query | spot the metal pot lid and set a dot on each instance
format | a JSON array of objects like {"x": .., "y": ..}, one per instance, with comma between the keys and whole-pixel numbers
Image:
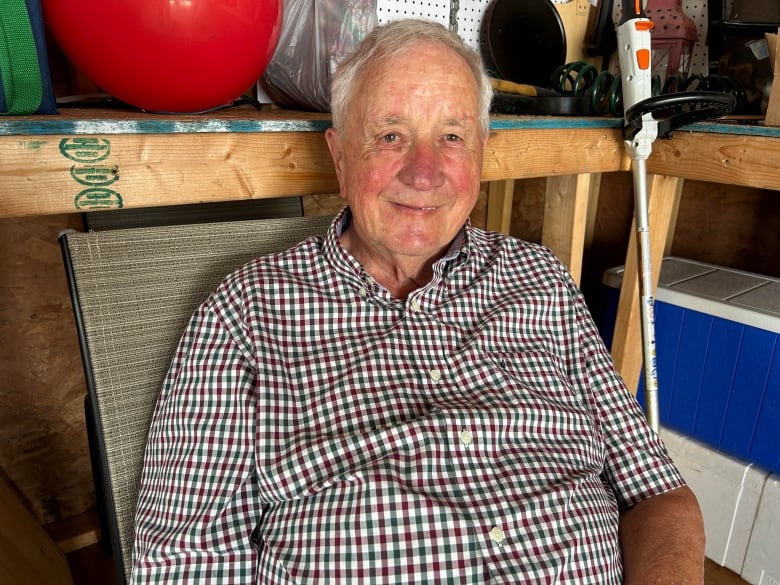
[{"x": 526, "y": 40}]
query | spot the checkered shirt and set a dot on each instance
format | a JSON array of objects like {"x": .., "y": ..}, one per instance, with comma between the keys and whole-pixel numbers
[{"x": 313, "y": 429}]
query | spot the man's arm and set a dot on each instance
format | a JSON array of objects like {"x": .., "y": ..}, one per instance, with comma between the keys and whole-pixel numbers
[
  {"x": 663, "y": 540},
  {"x": 198, "y": 501}
]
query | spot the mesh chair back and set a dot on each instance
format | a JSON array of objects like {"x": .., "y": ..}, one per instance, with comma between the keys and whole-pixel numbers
[{"x": 133, "y": 291}]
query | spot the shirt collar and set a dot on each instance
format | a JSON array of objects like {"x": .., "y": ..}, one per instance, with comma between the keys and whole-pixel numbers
[{"x": 458, "y": 253}]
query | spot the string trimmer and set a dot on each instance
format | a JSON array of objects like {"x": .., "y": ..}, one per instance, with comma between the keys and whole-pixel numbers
[{"x": 645, "y": 119}]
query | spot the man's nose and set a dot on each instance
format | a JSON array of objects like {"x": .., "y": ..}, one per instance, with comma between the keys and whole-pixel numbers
[{"x": 422, "y": 168}]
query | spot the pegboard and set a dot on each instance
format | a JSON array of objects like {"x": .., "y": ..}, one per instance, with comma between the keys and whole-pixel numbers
[
  {"x": 468, "y": 16},
  {"x": 464, "y": 16},
  {"x": 388, "y": 10}
]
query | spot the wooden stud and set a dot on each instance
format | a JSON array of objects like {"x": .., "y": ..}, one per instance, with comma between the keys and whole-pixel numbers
[
  {"x": 499, "y": 205},
  {"x": 27, "y": 555},
  {"x": 568, "y": 217}
]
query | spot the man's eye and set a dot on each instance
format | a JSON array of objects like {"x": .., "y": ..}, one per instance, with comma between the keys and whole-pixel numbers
[
  {"x": 452, "y": 138},
  {"x": 390, "y": 138}
]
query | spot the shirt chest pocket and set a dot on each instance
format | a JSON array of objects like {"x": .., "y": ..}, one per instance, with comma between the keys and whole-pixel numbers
[
  {"x": 528, "y": 374},
  {"x": 551, "y": 409}
]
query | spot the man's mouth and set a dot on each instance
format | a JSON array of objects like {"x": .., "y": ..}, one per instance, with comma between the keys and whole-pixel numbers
[{"x": 417, "y": 208}]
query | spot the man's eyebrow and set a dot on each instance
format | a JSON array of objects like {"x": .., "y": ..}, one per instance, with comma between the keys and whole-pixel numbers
[
  {"x": 456, "y": 122},
  {"x": 389, "y": 121}
]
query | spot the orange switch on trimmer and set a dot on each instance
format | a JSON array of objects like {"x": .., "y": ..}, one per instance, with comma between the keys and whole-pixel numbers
[{"x": 643, "y": 58}]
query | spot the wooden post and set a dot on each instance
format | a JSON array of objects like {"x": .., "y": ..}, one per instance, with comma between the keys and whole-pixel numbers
[
  {"x": 569, "y": 212},
  {"x": 27, "y": 555},
  {"x": 499, "y": 206}
]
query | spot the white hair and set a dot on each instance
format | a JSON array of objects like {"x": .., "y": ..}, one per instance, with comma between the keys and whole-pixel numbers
[{"x": 392, "y": 39}]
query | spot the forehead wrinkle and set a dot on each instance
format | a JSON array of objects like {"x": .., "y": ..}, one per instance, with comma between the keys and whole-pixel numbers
[{"x": 404, "y": 96}]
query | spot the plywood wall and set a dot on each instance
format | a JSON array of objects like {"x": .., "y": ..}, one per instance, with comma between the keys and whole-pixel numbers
[{"x": 43, "y": 446}]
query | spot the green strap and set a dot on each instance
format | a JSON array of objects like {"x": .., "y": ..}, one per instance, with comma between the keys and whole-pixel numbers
[{"x": 19, "y": 68}]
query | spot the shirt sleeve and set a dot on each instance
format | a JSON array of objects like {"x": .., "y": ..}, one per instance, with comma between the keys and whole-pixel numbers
[
  {"x": 637, "y": 465},
  {"x": 198, "y": 500}
]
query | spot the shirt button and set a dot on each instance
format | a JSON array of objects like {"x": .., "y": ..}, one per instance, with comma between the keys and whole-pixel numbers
[
  {"x": 435, "y": 375},
  {"x": 415, "y": 305},
  {"x": 466, "y": 437},
  {"x": 362, "y": 292},
  {"x": 497, "y": 535}
]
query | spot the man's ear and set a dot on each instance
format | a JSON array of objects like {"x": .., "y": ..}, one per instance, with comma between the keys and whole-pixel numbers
[{"x": 336, "y": 151}]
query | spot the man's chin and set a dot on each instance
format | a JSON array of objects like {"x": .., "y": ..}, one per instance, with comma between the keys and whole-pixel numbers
[{"x": 413, "y": 245}]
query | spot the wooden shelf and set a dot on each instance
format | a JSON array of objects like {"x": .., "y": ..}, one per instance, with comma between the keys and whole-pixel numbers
[
  {"x": 721, "y": 153},
  {"x": 104, "y": 159}
]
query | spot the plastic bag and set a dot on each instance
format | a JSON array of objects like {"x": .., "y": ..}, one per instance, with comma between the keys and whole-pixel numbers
[{"x": 316, "y": 35}]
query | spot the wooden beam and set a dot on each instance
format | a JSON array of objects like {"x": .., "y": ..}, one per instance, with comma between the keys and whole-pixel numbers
[
  {"x": 568, "y": 215},
  {"x": 28, "y": 556},
  {"x": 531, "y": 152},
  {"x": 499, "y": 205},
  {"x": 76, "y": 532},
  {"x": 66, "y": 174},
  {"x": 751, "y": 161},
  {"x": 52, "y": 174},
  {"x": 664, "y": 199},
  {"x": 593, "y": 205}
]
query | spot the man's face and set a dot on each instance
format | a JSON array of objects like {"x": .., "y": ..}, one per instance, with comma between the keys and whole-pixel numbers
[{"x": 410, "y": 157}]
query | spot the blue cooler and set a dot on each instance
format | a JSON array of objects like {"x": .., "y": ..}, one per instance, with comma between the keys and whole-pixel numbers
[{"x": 718, "y": 355}]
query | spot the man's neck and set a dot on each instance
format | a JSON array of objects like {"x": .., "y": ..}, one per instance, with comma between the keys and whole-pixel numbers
[{"x": 401, "y": 275}]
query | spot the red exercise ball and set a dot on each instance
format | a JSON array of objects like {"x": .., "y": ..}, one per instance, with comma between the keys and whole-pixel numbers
[{"x": 179, "y": 56}]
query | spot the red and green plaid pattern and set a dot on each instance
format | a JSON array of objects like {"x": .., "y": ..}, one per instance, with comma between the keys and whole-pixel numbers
[{"x": 475, "y": 432}]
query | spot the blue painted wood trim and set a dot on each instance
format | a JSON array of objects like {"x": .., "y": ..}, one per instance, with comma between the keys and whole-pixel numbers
[
  {"x": 154, "y": 124},
  {"x": 163, "y": 124},
  {"x": 106, "y": 122},
  {"x": 740, "y": 129},
  {"x": 553, "y": 123}
]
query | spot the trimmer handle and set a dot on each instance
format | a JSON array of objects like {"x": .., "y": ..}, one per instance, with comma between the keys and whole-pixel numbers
[
  {"x": 634, "y": 53},
  {"x": 677, "y": 109}
]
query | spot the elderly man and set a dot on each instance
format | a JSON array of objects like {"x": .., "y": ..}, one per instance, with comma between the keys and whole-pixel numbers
[{"x": 407, "y": 399}]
